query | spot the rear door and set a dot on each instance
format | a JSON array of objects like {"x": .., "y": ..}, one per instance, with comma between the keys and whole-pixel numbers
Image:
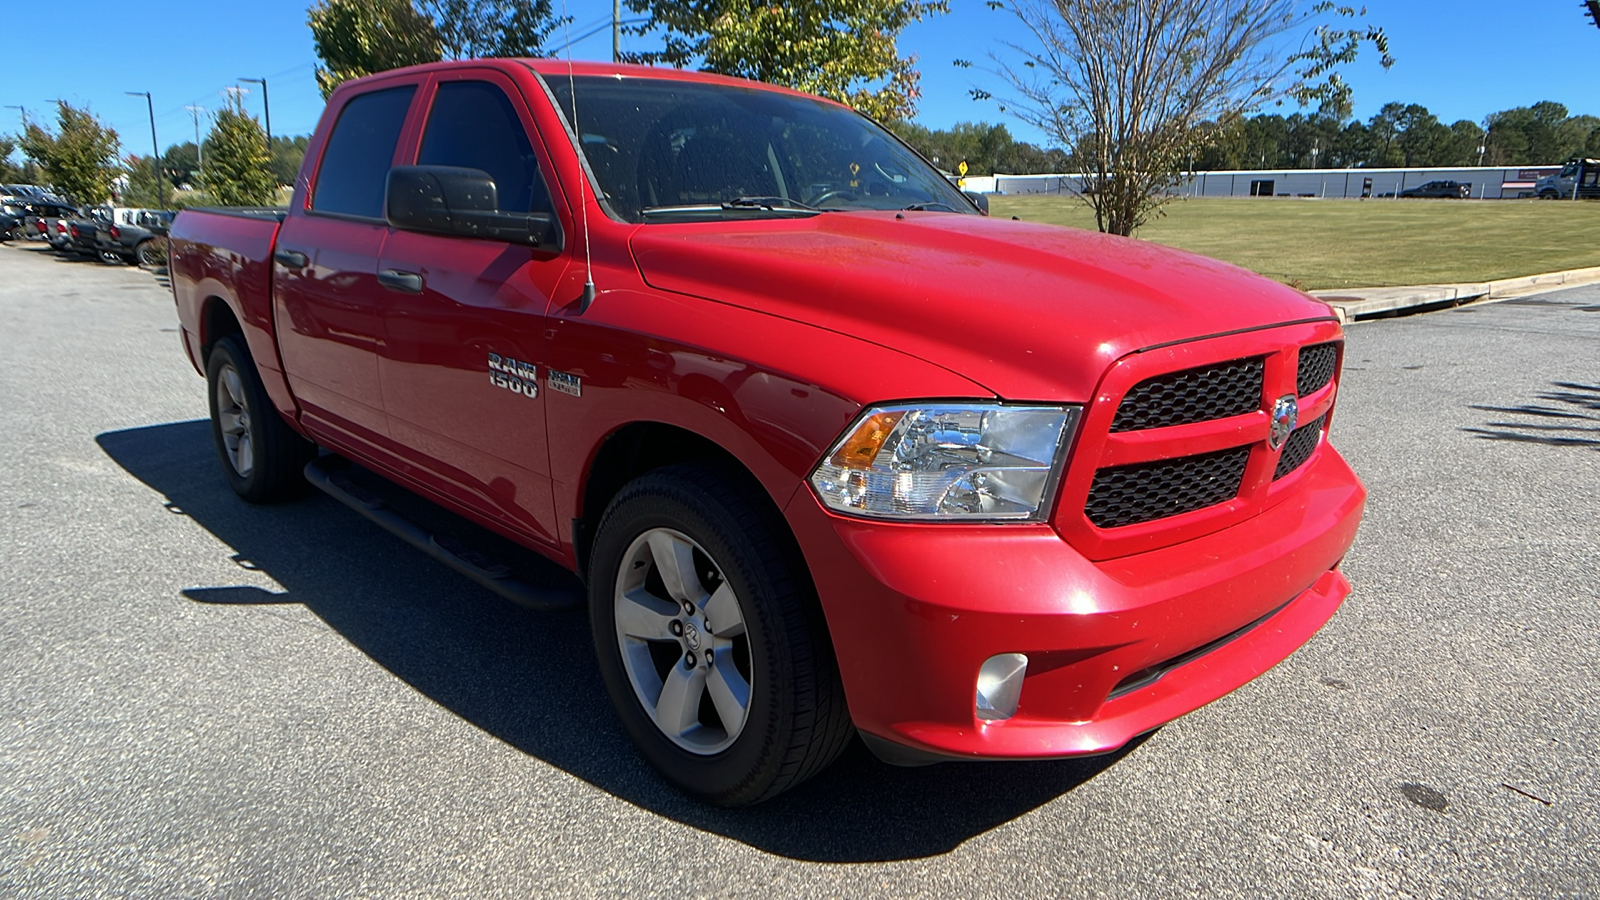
[
  {"x": 461, "y": 372},
  {"x": 326, "y": 298}
]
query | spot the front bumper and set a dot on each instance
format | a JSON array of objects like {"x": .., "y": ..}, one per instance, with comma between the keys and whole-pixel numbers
[{"x": 914, "y": 610}]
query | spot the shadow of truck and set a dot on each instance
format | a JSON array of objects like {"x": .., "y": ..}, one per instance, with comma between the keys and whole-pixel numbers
[{"x": 529, "y": 679}]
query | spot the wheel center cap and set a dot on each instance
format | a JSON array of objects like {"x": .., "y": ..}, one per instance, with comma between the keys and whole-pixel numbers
[{"x": 691, "y": 635}]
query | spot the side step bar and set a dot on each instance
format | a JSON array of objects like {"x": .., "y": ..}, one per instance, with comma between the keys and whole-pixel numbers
[{"x": 496, "y": 576}]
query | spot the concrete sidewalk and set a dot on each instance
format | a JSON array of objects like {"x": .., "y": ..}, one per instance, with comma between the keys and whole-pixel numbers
[{"x": 1353, "y": 304}]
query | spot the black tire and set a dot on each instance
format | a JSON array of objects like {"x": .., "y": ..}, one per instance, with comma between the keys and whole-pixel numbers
[
  {"x": 796, "y": 720},
  {"x": 277, "y": 456},
  {"x": 149, "y": 255},
  {"x": 110, "y": 257}
]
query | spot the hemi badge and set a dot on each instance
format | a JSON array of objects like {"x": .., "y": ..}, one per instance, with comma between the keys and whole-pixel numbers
[{"x": 564, "y": 383}]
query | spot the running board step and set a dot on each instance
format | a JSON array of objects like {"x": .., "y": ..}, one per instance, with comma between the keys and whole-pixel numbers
[{"x": 329, "y": 474}]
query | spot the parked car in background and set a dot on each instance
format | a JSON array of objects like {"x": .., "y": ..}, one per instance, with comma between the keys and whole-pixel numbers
[
  {"x": 43, "y": 214},
  {"x": 139, "y": 236},
  {"x": 16, "y": 210},
  {"x": 1579, "y": 179},
  {"x": 23, "y": 190},
  {"x": 83, "y": 234},
  {"x": 1447, "y": 190},
  {"x": 10, "y": 227},
  {"x": 58, "y": 227}
]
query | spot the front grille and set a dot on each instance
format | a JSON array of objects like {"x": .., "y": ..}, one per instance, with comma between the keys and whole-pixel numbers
[
  {"x": 1128, "y": 495},
  {"x": 1297, "y": 449},
  {"x": 1217, "y": 391},
  {"x": 1317, "y": 363}
]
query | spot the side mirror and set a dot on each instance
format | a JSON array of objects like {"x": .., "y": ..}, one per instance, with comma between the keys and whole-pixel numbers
[
  {"x": 460, "y": 202},
  {"x": 979, "y": 200}
]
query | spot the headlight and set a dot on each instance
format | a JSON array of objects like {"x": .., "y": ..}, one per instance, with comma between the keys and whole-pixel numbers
[{"x": 948, "y": 461}]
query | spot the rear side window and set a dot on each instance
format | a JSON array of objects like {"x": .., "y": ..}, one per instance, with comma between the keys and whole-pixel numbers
[
  {"x": 356, "y": 163},
  {"x": 474, "y": 126}
]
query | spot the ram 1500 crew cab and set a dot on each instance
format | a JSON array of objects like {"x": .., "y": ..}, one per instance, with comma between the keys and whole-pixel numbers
[{"x": 832, "y": 452}]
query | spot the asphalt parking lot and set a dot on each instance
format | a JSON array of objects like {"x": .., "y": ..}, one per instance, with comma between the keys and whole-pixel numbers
[{"x": 199, "y": 698}]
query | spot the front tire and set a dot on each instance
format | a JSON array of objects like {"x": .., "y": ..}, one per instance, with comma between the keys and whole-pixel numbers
[
  {"x": 710, "y": 639},
  {"x": 262, "y": 458}
]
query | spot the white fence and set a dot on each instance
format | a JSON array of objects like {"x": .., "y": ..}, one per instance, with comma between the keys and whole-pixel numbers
[{"x": 1487, "y": 182}]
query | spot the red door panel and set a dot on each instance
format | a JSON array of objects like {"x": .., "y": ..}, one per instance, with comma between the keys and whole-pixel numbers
[{"x": 330, "y": 323}]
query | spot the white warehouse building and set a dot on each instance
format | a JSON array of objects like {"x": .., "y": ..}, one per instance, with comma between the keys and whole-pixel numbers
[{"x": 1487, "y": 182}]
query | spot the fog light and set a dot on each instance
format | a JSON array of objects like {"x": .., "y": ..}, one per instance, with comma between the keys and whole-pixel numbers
[{"x": 1000, "y": 685}]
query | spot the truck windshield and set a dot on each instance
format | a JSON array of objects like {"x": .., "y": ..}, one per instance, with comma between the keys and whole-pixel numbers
[{"x": 671, "y": 151}]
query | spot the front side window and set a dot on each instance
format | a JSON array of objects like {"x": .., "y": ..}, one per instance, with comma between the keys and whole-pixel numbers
[
  {"x": 473, "y": 125},
  {"x": 666, "y": 150},
  {"x": 355, "y": 165}
]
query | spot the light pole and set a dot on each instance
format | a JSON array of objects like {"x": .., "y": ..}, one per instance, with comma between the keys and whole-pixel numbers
[
  {"x": 155, "y": 147},
  {"x": 266, "y": 106},
  {"x": 199, "y": 149},
  {"x": 24, "y": 111},
  {"x": 616, "y": 31}
]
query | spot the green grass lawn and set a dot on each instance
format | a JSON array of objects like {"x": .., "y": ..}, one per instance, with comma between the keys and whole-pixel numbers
[{"x": 1361, "y": 243}]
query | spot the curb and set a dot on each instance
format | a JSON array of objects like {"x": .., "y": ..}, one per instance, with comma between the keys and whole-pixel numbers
[{"x": 1368, "y": 303}]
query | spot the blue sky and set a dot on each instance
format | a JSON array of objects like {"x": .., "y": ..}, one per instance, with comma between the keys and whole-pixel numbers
[{"x": 1461, "y": 60}]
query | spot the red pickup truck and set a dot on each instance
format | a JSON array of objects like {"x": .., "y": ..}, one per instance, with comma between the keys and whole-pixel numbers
[{"x": 831, "y": 451}]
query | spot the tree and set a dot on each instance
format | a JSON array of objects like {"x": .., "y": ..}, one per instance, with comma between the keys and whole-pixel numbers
[
  {"x": 80, "y": 158},
  {"x": 986, "y": 149},
  {"x": 842, "y": 49},
  {"x": 1461, "y": 149},
  {"x": 141, "y": 190},
  {"x": 286, "y": 156},
  {"x": 470, "y": 29},
  {"x": 180, "y": 165},
  {"x": 1131, "y": 85},
  {"x": 236, "y": 171},
  {"x": 9, "y": 171},
  {"x": 360, "y": 37}
]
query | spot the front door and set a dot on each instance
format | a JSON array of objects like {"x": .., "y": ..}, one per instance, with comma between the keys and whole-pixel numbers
[{"x": 464, "y": 319}]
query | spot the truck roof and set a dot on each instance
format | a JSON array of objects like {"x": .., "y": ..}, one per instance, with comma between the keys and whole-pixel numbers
[{"x": 555, "y": 68}]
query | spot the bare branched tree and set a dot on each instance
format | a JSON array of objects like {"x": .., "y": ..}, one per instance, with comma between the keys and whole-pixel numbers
[{"x": 1134, "y": 89}]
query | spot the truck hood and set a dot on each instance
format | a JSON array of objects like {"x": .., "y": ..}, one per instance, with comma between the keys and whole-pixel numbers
[{"x": 1031, "y": 312}]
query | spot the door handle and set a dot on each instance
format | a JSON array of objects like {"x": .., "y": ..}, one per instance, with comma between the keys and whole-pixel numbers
[
  {"x": 291, "y": 259},
  {"x": 396, "y": 280}
]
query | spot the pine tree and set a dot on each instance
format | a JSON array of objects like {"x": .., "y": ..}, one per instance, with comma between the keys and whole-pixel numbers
[{"x": 237, "y": 169}]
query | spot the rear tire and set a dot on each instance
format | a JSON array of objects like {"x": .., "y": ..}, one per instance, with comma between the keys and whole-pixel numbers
[
  {"x": 734, "y": 696},
  {"x": 149, "y": 255},
  {"x": 262, "y": 458}
]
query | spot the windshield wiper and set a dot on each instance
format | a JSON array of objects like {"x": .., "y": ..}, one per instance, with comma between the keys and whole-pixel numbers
[
  {"x": 782, "y": 206},
  {"x": 928, "y": 207},
  {"x": 768, "y": 203}
]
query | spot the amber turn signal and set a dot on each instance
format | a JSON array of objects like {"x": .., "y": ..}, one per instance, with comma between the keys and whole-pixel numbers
[{"x": 861, "y": 447}]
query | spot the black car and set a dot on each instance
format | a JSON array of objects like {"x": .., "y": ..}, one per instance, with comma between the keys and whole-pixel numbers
[{"x": 1450, "y": 190}]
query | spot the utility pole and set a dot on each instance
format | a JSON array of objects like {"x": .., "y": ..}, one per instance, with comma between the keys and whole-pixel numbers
[
  {"x": 266, "y": 106},
  {"x": 155, "y": 147},
  {"x": 616, "y": 31},
  {"x": 199, "y": 149}
]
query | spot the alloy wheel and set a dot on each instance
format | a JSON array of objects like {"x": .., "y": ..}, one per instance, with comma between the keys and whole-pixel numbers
[
  {"x": 681, "y": 630},
  {"x": 233, "y": 416}
]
